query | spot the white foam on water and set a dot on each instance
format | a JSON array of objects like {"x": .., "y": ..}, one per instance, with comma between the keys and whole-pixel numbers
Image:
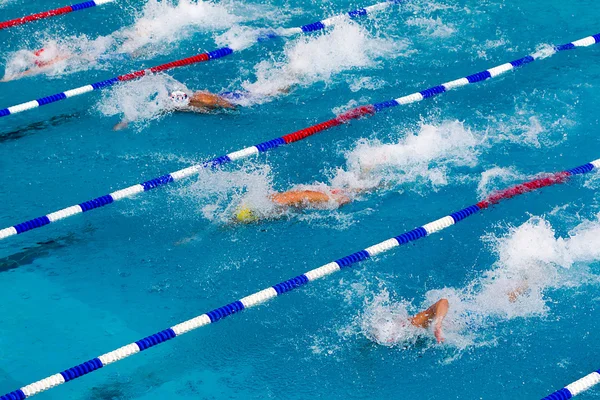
[
  {"x": 544, "y": 51},
  {"x": 238, "y": 37},
  {"x": 218, "y": 194},
  {"x": 387, "y": 322},
  {"x": 320, "y": 57},
  {"x": 497, "y": 178},
  {"x": 163, "y": 23},
  {"x": 56, "y": 57},
  {"x": 366, "y": 82},
  {"x": 527, "y": 127},
  {"x": 433, "y": 27},
  {"x": 425, "y": 157},
  {"x": 531, "y": 259}
]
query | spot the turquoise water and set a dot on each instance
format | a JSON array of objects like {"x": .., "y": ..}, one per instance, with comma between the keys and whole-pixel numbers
[{"x": 84, "y": 286}]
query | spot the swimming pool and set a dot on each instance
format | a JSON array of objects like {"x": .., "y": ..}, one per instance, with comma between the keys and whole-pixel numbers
[{"x": 89, "y": 284}]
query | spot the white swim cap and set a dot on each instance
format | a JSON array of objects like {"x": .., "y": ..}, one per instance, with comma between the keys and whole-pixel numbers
[{"x": 179, "y": 98}]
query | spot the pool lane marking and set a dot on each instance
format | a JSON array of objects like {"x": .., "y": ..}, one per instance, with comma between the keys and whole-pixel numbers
[
  {"x": 287, "y": 139},
  {"x": 53, "y": 13},
  {"x": 199, "y": 58},
  {"x": 576, "y": 388},
  {"x": 293, "y": 283}
]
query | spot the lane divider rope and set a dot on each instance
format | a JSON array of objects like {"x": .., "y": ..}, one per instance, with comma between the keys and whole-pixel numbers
[
  {"x": 291, "y": 284},
  {"x": 576, "y": 388},
  {"x": 199, "y": 58},
  {"x": 53, "y": 13},
  {"x": 274, "y": 143}
]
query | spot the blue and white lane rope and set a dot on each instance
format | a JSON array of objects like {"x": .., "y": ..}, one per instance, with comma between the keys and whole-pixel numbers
[
  {"x": 203, "y": 57},
  {"x": 291, "y": 284},
  {"x": 576, "y": 388},
  {"x": 52, "y": 13},
  {"x": 290, "y": 138}
]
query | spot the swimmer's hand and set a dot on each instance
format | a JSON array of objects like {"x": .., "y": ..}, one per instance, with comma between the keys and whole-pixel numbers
[
  {"x": 438, "y": 332},
  {"x": 121, "y": 126}
]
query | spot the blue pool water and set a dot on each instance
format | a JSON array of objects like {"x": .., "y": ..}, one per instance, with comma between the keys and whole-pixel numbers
[{"x": 84, "y": 286}]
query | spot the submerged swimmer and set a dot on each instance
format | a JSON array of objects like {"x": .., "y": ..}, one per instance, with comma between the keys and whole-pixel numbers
[
  {"x": 40, "y": 61},
  {"x": 298, "y": 200}
]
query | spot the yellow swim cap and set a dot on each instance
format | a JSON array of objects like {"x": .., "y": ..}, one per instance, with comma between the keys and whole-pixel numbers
[{"x": 246, "y": 215}]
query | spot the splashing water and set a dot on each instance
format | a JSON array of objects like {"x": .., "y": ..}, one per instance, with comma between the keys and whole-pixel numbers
[
  {"x": 423, "y": 156},
  {"x": 387, "y": 323},
  {"x": 319, "y": 58},
  {"x": 143, "y": 100},
  {"x": 497, "y": 178},
  {"x": 531, "y": 260},
  {"x": 544, "y": 51},
  {"x": 531, "y": 128},
  {"x": 433, "y": 27},
  {"x": 56, "y": 57},
  {"x": 220, "y": 193},
  {"x": 166, "y": 22}
]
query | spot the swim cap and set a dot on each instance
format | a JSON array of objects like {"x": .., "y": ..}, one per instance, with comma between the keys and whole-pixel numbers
[
  {"x": 246, "y": 215},
  {"x": 179, "y": 98}
]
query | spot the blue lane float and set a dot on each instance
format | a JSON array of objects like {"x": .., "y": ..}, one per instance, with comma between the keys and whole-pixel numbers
[
  {"x": 299, "y": 281},
  {"x": 576, "y": 388},
  {"x": 203, "y": 57},
  {"x": 356, "y": 113}
]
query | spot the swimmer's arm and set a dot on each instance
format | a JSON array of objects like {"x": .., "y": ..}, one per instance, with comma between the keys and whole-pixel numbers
[
  {"x": 515, "y": 294},
  {"x": 34, "y": 71},
  {"x": 437, "y": 313},
  {"x": 19, "y": 75},
  {"x": 224, "y": 103}
]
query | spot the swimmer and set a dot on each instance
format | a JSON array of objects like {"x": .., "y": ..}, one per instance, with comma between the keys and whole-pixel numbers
[
  {"x": 42, "y": 60},
  {"x": 434, "y": 315},
  {"x": 205, "y": 102},
  {"x": 298, "y": 200},
  {"x": 202, "y": 102}
]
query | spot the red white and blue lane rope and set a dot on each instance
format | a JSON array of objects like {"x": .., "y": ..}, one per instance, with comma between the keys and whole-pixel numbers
[
  {"x": 291, "y": 284},
  {"x": 52, "y": 13},
  {"x": 204, "y": 57},
  {"x": 576, "y": 388},
  {"x": 287, "y": 139}
]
